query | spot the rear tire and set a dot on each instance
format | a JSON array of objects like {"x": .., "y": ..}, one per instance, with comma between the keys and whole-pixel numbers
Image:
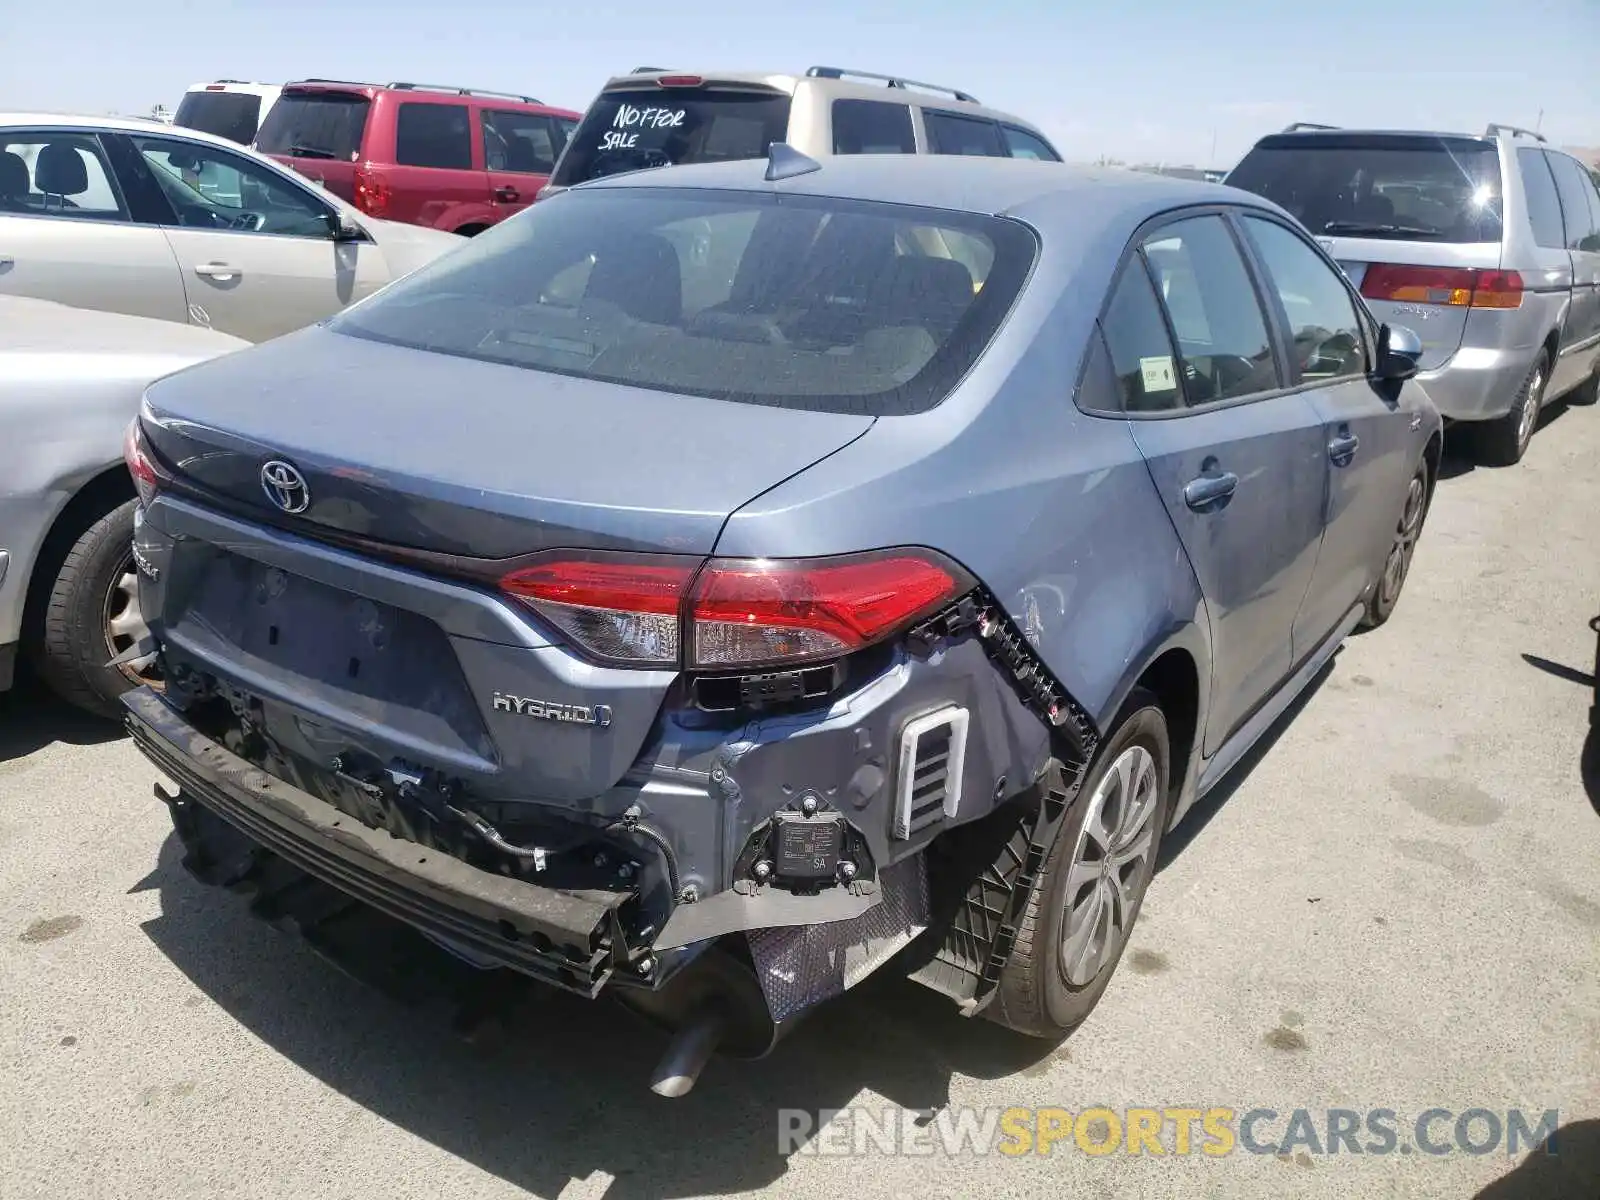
[
  {"x": 1587, "y": 392},
  {"x": 90, "y": 616},
  {"x": 1396, "y": 566},
  {"x": 1060, "y": 966},
  {"x": 1503, "y": 441}
]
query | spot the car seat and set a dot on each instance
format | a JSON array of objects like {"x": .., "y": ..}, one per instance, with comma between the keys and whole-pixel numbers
[
  {"x": 60, "y": 172},
  {"x": 14, "y": 183},
  {"x": 641, "y": 276}
]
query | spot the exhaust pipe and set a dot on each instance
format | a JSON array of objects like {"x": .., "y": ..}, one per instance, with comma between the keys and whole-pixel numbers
[{"x": 688, "y": 1053}]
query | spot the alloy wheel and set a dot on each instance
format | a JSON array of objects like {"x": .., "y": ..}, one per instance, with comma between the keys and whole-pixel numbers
[
  {"x": 125, "y": 623},
  {"x": 1531, "y": 402},
  {"x": 1113, "y": 853},
  {"x": 1398, "y": 564}
]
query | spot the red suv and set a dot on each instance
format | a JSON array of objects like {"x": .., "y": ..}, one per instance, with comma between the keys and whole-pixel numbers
[{"x": 458, "y": 159}]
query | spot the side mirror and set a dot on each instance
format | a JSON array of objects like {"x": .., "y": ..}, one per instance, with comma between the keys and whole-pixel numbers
[
  {"x": 1399, "y": 353},
  {"x": 342, "y": 229}
]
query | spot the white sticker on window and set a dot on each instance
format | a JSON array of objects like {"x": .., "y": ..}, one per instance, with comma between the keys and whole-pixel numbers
[{"x": 1158, "y": 374}]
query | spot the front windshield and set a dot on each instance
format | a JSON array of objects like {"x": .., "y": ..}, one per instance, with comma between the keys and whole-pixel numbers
[{"x": 795, "y": 302}]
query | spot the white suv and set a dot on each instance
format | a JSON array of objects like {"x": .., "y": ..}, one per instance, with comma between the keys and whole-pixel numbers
[
  {"x": 228, "y": 108},
  {"x": 655, "y": 118}
]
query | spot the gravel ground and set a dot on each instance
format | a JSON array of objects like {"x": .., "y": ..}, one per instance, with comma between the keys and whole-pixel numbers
[{"x": 1396, "y": 905}]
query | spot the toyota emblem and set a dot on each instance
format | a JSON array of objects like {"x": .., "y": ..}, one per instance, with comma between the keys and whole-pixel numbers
[{"x": 285, "y": 486}]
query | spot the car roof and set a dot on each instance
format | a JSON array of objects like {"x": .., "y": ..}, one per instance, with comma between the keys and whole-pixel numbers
[
  {"x": 115, "y": 125},
  {"x": 431, "y": 93},
  {"x": 1001, "y": 186},
  {"x": 1309, "y": 136}
]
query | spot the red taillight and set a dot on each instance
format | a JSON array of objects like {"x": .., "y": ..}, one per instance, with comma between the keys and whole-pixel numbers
[
  {"x": 146, "y": 479},
  {"x": 680, "y": 81},
  {"x": 730, "y": 614},
  {"x": 1454, "y": 287},
  {"x": 750, "y": 611},
  {"x": 216, "y": 87},
  {"x": 372, "y": 193}
]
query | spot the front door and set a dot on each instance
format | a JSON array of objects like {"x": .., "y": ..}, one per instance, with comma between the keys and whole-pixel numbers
[
  {"x": 1366, "y": 436},
  {"x": 1240, "y": 465},
  {"x": 256, "y": 249}
]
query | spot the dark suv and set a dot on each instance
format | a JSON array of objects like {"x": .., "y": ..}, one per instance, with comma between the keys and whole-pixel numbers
[{"x": 459, "y": 159}]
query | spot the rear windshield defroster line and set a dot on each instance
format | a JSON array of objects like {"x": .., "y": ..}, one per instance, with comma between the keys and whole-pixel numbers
[
  {"x": 660, "y": 127},
  {"x": 752, "y": 297}
]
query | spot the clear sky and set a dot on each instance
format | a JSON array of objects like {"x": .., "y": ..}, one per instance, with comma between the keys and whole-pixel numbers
[{"x": 1139, "y": 79}]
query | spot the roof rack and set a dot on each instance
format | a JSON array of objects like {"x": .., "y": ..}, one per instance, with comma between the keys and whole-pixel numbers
[
  {"x": 1297, "y": 126},
  {"x": 346, "y": 82},
  {"x": 894, "y": 81},
  {"x": 1514, "y": 131},
  {"x": 461, "y": 91}
]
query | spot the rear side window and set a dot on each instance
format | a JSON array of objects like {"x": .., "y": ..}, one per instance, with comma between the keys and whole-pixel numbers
[
  {"x": 433, "y": 135},
  {"x": 232, "y": 115},
  {"x": 1212, "y": 305},
  {"x": 872, "y": 127},
  {"x": 1141, "y": 350},
  {"x": 1023, "y": 144},
  {"x": 59, "y": 174},
  {"x": 810, "y": 303},
  {"x": 1544, "y": 209},
  {"x": 1380, "y": 186},
  {"x": 1580, "y": 208},
  {"x": 526, "y": 143},
  {"x": 328, "y": 125},
  {"x": 661, "y": 127},
  {"x": 952, "y": 134}
]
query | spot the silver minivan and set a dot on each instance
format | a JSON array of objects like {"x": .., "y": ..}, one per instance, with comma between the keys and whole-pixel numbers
[
  {"x": 655, "y": 118},
  {"x": 1487, "y": 246}
]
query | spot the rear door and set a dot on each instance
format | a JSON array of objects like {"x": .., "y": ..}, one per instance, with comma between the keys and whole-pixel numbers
[
  {"x": 1405, "y": 215},
  {"x": 1580, "y": 212},
  {"x": 1240, "y": 463},
  {"x": 519, "y": 152},
  {"x": 438, "y": 179},
  {"x": 1367, "y": 430},
  {"x": 256, "y": 250},
  {"x": 67, "y": 232}
]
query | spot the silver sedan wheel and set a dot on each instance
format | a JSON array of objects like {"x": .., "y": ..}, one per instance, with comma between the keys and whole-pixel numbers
[
  {"x": 1529, "y": 417},
  {"x": 1108, "y": 865},
  {"x": 125, "y": 623}
]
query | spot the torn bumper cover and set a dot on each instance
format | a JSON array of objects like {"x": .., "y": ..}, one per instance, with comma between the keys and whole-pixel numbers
[{"x": 572, "y": 939}]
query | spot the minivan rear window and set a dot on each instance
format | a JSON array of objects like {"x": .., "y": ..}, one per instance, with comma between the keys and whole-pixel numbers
[
  {"x": 1423, "y": 187},
  {"x": 662, "y": 127},
  {"x": 315, "y": 125},
  {"x": 793, "y": 301},
  {"x": 231, "y": 115}
]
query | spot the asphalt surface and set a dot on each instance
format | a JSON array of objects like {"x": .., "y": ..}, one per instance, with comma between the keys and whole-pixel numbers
[{"x": 1396, "y": 905}]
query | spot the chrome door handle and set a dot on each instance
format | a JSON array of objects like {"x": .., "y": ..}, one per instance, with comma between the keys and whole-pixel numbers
[
  {"x": 217, "y": 270},
  {"x": 1343, "y": 448},
  {"x": 1205, "y": 492}
]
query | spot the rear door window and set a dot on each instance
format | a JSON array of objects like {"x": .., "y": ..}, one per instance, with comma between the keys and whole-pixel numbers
[
  {"x": 660, "y": 127},
  {"x": 1023, "y": 144},
  {"x": 1148, "y": 379},
  {"x": 1223, "y": 345},
  {"x": 1544, "y": 209},
  {"x": 793, "y": 301},
  {"x": 58, "y": 174},
  {"x": 872, "y": 127},
  {"x": 949, "y": 133},
  {"x": 1400, "y": 187},
  {"x": 326, "y": 125},
  {"x": 231, "y": 115},
  {"x": 433, "y": 135},
  {"x": 519, "y": 142},
  {"x": 1577, "y": 210}
]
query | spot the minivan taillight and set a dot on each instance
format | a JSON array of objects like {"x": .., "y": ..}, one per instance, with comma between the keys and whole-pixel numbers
[
  {"x": 732, "y": 614},
  {"x": 136, "y": 453},
  {"x": 372, "y": 193},
  {"x": 1453, "y": 287}
]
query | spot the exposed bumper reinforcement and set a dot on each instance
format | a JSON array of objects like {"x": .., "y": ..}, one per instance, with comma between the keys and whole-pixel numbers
[{"x": 566, "y": 938}]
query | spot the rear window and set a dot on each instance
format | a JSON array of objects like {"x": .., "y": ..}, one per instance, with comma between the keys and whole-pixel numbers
[
  {"x": 1418, "y": 188},
  {"x": 662, "y": 127},
  {"x": 795, "y": 302},
  {"x": 232, "y": 115},
  {"x": 315, "y": 125}
]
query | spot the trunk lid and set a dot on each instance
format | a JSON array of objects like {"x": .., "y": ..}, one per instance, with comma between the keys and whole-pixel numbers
[{"x": 477, "y": 459}]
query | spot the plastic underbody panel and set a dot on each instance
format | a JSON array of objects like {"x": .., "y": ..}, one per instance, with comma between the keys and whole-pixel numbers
[{"x": 357, "y": 737}]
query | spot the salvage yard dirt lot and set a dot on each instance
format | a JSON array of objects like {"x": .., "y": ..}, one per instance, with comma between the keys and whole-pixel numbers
[{"x": 1397, "y": 905}]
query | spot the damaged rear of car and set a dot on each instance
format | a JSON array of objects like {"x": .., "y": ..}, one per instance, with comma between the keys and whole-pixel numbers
[{"x": 514, "y": 602}]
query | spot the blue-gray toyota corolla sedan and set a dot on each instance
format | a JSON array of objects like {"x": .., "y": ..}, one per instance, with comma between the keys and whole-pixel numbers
[{"x": 719, "y": 580}]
